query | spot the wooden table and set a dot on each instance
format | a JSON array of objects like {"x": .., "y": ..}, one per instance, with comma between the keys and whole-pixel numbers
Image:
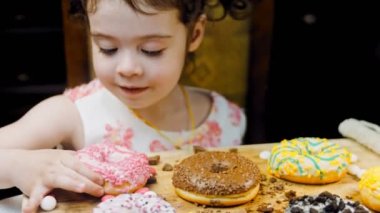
[{"x": 271, "y": 193}]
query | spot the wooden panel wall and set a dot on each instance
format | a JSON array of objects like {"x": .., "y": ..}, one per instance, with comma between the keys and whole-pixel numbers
[
  {"x": 261, "y": 38},
  {"x": 76, "y": 48}
]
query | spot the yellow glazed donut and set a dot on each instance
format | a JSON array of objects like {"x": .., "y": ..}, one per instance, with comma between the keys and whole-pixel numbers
[
  {"x": 309, "y": 160},
  {"x": 369, "y": 186}
]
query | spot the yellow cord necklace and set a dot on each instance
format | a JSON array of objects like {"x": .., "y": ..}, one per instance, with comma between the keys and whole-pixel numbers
[{"x": 177, "y": 144}]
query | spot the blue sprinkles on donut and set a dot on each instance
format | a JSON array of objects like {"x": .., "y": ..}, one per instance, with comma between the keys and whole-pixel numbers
[{"x": 309, "y": 160}]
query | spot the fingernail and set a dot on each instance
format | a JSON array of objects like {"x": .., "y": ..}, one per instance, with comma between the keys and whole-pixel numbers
[
  {"x": 101, "y": 191},
  {"x": 81, "y": 186},
  {"x": 98, "y": 192},
  {"x": 100, "y": 181},
  {"x": 107, "y": 197},
  {"x": 27, "y": 209}
]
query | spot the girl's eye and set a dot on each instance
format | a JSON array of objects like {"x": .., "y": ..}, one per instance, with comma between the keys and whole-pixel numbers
[
  {"x": 152, "y": 53},
  {"x": 108, "y": 51}
]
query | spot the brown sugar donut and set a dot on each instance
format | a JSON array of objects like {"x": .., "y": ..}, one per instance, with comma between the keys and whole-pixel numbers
[{"x": 216, "y": 178}]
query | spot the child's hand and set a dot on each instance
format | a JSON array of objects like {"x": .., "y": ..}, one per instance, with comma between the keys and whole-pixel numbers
[{"x": 40, "y": 171}]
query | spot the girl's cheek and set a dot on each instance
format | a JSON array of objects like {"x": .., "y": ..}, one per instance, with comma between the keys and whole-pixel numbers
[{"x": 103, "y": 67}]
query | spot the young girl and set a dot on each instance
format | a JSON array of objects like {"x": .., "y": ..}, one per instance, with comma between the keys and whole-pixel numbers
[{"x": 139, "y": 50}]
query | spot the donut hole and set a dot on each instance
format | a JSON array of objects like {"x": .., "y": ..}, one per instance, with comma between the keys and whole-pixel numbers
[{"x": 219, "y": 167}]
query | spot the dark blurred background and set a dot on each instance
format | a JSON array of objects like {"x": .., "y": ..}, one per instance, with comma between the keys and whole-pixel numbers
[
  {"x": 325, "y": 59},
  {"x": 33, "y": 61}
]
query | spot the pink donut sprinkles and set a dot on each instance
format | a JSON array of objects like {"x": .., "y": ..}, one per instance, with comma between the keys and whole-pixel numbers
[
  {"x": 123, "y": 170},
  {"x": 147, "y": 202}
]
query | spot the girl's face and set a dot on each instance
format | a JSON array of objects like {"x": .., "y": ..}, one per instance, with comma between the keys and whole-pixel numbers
[{"x": 138, "y": 57}]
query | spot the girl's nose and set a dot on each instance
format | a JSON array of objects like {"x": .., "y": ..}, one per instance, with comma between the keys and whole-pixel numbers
[{"x": 129, "y": 66}]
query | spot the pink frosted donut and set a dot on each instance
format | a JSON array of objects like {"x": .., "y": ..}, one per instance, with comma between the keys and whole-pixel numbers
[
  {"x": 137, "y": 202},
  {"x": 123, "y": 170}
]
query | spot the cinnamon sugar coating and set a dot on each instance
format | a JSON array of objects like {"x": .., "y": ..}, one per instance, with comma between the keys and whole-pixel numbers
[{"x": 216, "y": 173}]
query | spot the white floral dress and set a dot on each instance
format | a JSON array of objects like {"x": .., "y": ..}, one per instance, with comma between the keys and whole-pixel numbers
[{"x": 106, "y": 119}]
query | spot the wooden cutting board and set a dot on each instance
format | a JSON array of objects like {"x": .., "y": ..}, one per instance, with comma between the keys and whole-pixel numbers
[{"x": 272, "y": 191}]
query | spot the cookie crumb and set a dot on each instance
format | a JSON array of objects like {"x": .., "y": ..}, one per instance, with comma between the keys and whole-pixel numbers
[
  {"x": 154, "y": 160},
  {"x": 151, "y": 180},
  {"x": 348, "y": 197},
  {"x": 290, "y": 194},
  {"x": 273, "y": 180},
  {"x": 265, "y": 208},
  {"x": 167, "y": 167},
  {"x": 234, "y": 150},
  {"x": 198, "y": 149}
]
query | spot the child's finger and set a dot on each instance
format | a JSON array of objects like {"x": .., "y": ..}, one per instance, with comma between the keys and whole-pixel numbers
[
  {"x": 79, "y": 167},
  {"x": 31, "y": 204},
  {"x": 24, "y": 203},
  {"x": 72, "y": 181}
]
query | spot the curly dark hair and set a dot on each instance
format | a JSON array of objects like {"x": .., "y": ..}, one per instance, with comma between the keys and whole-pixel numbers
[{"x": 190, "y": 10}]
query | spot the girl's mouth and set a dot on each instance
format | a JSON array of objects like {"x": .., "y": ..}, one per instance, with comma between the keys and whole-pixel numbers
[{"x": 134, "y": 90}]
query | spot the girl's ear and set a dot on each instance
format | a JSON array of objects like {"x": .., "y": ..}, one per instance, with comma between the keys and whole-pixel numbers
[{"x": 197, "y": 34}]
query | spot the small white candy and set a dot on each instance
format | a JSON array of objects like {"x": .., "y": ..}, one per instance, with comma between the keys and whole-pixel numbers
[
  {"x": 150, "y": 193},
  {"x": 356, "y": 170},
  {"x": 354, "y": 158},
  {"x": 264, "y": 154},
  {"x": 48, "y": 203},
  {"x": 353, "y": 169},
  {"x": 360, "y": 173}
]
